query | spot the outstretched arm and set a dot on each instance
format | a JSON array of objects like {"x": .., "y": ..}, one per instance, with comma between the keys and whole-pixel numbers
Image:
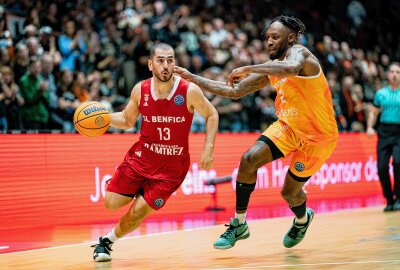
[
  {"x": 249, "y": 85},
  {"x": 128, "y": 117},
  {"x": 291, "y": 66},
  {"x": 197, "y": 101}
]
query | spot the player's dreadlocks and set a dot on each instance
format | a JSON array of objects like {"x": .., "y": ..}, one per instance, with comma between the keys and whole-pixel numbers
[{"x": 290, "y": 22}]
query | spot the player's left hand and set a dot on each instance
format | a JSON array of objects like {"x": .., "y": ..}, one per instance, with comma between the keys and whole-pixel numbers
[
  {"x": 207, "y": 159},
  {"x": 184, "y": 73},
  {"x": 236, "y": 75}
]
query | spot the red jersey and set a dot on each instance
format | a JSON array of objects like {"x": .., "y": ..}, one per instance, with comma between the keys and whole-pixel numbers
[{"x": 163, "y": 148}]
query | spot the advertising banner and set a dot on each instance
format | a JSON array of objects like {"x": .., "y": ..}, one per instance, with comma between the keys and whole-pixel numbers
[{"x": 54, "y": 179}]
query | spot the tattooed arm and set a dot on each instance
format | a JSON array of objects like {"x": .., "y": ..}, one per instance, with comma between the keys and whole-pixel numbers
[
  {"x": 299, "y": 61},
  {"x": 251, "y": 84}
]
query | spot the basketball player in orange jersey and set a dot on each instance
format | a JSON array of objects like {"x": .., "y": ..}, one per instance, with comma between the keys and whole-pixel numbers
[
  {"x": 158, "y": 162},
  {"x": 306, "y": 125}
]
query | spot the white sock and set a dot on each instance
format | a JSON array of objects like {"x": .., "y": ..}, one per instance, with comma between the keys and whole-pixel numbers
[
  {"x": 111, "y": 235},
  {"x": 302, "y": 220},
  {"x": 241, "y": 217}
]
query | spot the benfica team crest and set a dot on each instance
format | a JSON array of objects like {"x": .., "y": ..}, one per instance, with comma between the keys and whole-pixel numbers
[{"x": 146, "y": 98}]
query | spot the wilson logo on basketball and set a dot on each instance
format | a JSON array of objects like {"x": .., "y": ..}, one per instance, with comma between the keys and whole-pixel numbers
[{"x": 93, "y": 109}]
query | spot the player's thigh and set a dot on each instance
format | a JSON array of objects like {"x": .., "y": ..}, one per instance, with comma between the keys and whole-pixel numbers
[
  {"x": 126, "y": 181},
  {"x": 283, "y": 138},
  {"x": 114, "y": 200},
  {"x": 308, "y": 159}
]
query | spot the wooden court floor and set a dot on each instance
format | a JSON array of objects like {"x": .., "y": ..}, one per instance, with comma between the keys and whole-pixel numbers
[{"x": 364, "y": 238}]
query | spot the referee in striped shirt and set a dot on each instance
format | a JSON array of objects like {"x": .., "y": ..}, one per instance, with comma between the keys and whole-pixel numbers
[{"x": 387, "y": 103}]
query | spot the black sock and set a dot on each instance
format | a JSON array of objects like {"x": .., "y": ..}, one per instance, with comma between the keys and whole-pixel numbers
[
  {"x": 243, "y": 192},
  {"x": 299, "y": 211}
]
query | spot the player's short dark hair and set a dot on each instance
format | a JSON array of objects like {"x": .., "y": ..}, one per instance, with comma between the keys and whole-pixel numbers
[
  {"x": 293, "y": 23},
  {"x": 162, "y": 46}
]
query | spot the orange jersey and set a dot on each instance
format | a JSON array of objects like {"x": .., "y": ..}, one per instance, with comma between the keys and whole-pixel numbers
[{"x": 305, "y": 104}]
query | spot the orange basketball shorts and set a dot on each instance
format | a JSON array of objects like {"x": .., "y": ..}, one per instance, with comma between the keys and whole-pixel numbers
[{"x": 307, "y": 158}]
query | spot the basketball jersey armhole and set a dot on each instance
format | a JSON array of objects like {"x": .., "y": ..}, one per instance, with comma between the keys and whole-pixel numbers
[{"x": 310, "y": 77}]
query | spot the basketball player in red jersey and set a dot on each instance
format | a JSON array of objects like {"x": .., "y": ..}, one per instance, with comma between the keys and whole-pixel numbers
[
  {"x": 157, "y": 164},
  {"x": 306, "y": 125}
]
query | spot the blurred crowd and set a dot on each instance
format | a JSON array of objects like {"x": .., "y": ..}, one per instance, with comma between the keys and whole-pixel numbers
[{"x": 56, "y": 54}]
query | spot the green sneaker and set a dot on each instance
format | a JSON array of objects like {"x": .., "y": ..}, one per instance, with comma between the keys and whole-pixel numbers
[
  {"x": 235, "y": 232},
  {"x": 297, "y": 231}
]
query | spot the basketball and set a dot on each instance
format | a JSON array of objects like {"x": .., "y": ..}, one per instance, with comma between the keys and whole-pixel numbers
[{"x": 91, "y": 119}]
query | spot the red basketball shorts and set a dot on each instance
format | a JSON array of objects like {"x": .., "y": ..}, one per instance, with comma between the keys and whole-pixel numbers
[{"x": 129, "y": 182}]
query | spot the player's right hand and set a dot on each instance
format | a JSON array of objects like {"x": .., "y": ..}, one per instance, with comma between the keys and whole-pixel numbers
[
  {"x": 184, "y": 73},
  {"x": 236, "y": 75},
  {"x": 207, "y": 159}
]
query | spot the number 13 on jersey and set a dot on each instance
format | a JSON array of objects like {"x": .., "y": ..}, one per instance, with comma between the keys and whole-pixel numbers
[{"x": 165, "y": 133}]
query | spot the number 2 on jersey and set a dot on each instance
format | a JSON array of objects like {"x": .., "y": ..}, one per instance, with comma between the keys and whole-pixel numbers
[{"x": 165, "y": 133}]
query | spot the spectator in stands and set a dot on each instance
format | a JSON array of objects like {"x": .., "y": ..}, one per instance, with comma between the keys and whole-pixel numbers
[
  {"x": 80, "y": 88},
  {"x": 47, "y": 40},
  {"x": 220, "y": 36},
  {"x": 50, "y": 18},
  {"x": 33, "y": 87},
  {"x": 110, "y": 48},
  {"x": 13, "y": 99},
  {"x": 387, "y": 103},
  {"x": 91, "y": 38},
  {"x": 67, "y": 101},
  {"x": 55, "y": 122},
  {"x": 347, "y": 103},
  {"x": 5, "y": 59},
  {"x": 33, "y": 17},
  {"x": 141, "y": 54},
  {"x": 30, "y": 30},
  {"x": 34, "y": 47},
  {"x": 21, "y": 61},
  {"x": 72, "y": 47},
  {"x": 5, "y": 35}
]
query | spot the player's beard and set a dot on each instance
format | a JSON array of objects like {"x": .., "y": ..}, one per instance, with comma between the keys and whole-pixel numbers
[
  {"x": 163, "y": 78},
  {"x": 279, "y": 53}
]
